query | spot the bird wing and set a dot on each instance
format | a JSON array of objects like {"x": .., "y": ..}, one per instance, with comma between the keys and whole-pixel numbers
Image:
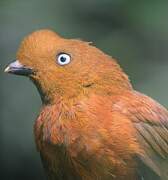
[{"x": 150, "y": 120}]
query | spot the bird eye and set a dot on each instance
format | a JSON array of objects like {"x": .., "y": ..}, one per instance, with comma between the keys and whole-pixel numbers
[{"x": 63, "y": 59}]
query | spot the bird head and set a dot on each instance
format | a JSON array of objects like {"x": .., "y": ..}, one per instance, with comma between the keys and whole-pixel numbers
[{"x": 66, "y": 67}]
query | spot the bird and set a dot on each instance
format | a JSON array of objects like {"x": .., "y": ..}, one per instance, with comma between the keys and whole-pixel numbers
[{"x": 92, "y": 124}]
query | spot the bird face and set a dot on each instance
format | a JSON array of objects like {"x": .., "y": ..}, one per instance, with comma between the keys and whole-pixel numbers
[{"x": 64, "y": 67}]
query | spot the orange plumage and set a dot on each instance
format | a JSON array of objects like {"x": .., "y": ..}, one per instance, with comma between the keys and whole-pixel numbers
[{"x": 93, "y": 124}]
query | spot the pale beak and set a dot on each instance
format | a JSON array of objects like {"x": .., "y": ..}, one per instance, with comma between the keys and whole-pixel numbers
[{"x": 17, "y": 68}]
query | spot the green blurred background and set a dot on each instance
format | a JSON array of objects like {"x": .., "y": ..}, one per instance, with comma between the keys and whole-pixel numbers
[{"x": 135, "y": 32}]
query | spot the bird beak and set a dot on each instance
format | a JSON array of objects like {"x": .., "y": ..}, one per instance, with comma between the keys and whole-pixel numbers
[{"x": 17, "y": 68}]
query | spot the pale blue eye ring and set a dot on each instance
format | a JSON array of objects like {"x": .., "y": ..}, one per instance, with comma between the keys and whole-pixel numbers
[{"x": 63, "y": 59}]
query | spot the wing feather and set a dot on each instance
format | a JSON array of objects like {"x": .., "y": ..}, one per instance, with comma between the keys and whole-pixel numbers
[{"x": 150, "y": 119}]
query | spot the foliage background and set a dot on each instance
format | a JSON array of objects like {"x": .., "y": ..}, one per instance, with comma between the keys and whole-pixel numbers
[{"x": 135, "y": 32}]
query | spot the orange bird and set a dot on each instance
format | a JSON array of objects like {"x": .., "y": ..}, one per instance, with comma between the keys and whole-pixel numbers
[{"x": 93, "y": 125}]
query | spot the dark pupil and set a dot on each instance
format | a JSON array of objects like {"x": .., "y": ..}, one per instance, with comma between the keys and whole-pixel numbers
[{"x": 63, "y": 59}]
